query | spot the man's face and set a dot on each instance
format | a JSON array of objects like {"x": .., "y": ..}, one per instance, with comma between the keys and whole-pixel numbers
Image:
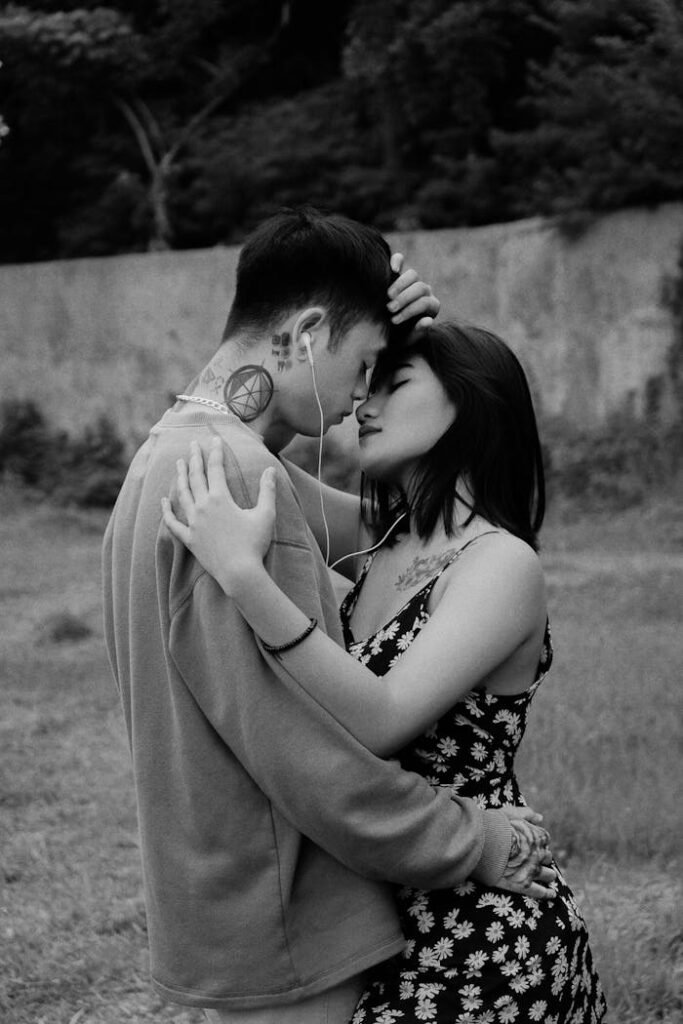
[{"x": 341, "y": 377}]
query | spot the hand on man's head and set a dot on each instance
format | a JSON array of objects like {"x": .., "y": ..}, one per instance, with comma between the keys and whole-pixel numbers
[{"x": 410, "y": 298}]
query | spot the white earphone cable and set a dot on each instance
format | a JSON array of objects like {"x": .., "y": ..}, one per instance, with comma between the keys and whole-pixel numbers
[
  {"x": 320, "y": 461},
  {"x": 366, "y": 551}
]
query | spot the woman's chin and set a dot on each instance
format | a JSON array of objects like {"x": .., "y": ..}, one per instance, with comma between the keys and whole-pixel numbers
[{"x": 377, "y": 474}]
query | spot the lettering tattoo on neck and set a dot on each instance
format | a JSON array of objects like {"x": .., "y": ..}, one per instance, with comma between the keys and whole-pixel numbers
[
  {"x": 422, "y": 569},
  {"x": 212, "y": 380},
  {"x": 282, "y": 350},
  {"x": 248, "y": 391}
]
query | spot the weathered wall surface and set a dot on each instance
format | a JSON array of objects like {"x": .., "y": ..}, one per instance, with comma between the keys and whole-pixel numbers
[
  {"x": 121, "y": 334},
  {"x": 586, "y": 316}
]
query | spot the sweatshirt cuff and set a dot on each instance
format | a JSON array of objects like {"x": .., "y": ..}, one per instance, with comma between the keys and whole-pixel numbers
[{"x": 496, "y": 849}]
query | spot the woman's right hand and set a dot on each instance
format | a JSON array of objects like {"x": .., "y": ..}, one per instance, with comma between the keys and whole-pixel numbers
[
  {"x": 230, "y": 542},
  {"x": 411, "y": 298}
]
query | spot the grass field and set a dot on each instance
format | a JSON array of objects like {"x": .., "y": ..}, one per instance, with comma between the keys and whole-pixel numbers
[{"x": 602, "y": 760}]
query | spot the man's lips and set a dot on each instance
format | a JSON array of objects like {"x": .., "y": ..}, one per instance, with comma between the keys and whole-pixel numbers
[{"x": 365, "y": 429}]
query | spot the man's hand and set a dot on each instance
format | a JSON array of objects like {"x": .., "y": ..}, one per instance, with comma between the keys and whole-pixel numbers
[
  {"x": 410, "y": 298},
  {"x": 528, "y": 870}
]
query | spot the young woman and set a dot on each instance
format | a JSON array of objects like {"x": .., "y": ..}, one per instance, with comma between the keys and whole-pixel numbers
[{"x": 449, "y": 640}]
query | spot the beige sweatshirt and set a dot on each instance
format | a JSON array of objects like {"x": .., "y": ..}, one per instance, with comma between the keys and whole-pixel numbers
[{"x": 267, "y": 832}]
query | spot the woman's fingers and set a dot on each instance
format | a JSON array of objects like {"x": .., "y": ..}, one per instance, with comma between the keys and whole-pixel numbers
[
  {"x": 397, "y": 292},
  {"x": 215, "y": 471},
  {"x": 415, "y": 300},
  {"x": 177, "y": 528},
  {"x": 410, "y": 298},
  {"x": 185, "y": 496},
  {"x": 197, "y": 474},
  {"x": 418, "y": 301}
]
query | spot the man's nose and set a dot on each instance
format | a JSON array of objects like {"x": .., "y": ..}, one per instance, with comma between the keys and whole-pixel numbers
[{"x": 360, "y": 390}]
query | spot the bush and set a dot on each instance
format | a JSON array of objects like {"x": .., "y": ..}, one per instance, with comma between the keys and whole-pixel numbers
[
  {"x": 86, "y": 471},
  {"x": 63, "y": 628},
  {"x": 27, "y": 446},
  {"x": 94, "y": 467}
]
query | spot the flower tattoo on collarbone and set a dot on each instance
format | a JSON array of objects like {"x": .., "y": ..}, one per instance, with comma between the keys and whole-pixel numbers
[
  {"x": 248, "y": 392},
  {"x": 422, "y": 569}
]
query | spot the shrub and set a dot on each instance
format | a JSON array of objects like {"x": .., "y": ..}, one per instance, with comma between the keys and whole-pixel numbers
[
  {"x": 62, "y": 628},
  {"x": 86, "y": 471},
  {"x": 94, "y": 467},
  {"x": 27, "y": 445}
]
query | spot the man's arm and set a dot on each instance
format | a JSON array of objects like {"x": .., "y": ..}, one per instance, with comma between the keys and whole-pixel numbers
[{"x": 368, "y": 813}]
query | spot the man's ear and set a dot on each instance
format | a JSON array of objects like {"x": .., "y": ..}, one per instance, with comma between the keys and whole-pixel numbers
[{"x": 309, "y": 331}]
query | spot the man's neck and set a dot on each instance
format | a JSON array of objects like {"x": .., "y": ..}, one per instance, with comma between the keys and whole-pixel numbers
[{"x": 241, "y": 378}]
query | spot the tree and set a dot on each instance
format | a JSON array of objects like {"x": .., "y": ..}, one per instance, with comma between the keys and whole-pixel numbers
[
  {"x": 58, "y": 67},
  {"x": 134, "y": 84},
  {"x": 440, "y": 76},
  {"x": 608, "y": 109}
]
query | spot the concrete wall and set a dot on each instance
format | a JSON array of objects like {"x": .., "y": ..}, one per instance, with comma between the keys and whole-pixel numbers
[{"x": 119, "y": 335}]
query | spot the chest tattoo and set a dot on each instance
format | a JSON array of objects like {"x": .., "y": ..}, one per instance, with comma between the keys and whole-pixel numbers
[
  {"x": 422, "y": 569},
  {"x": 248, "y": 392}
]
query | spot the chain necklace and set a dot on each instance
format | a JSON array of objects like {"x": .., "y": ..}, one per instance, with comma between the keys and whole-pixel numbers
[{"x": 205, "y": 401}]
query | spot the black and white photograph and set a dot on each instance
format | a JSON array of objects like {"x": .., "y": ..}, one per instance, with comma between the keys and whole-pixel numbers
[{"x": 341, "y": 512}]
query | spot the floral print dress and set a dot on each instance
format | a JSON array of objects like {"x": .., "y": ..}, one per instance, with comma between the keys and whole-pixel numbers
[{"x": 474, "y": 954}]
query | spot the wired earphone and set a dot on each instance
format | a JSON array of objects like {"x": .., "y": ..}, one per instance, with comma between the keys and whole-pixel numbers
[{"x": 306, "y": 342}]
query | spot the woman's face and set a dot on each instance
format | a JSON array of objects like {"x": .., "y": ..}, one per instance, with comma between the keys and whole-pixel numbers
[{"x": 402, "y": 420}]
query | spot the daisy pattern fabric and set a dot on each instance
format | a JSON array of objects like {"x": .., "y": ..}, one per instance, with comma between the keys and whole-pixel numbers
[{"x": 475, "y": 955}]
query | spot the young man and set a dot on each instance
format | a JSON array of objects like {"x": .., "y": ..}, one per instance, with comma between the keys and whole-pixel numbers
[{"x": 267, "y": 831}]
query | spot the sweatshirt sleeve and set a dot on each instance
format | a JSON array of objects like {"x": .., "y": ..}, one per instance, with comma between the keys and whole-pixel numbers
[{"x": 373, "y": 816}]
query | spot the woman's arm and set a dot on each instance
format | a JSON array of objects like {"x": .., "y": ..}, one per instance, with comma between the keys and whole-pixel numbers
[{"x": 476, "y": 626}]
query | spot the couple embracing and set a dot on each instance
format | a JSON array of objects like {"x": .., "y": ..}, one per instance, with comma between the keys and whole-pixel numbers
[{"x": 330, "y": 824}]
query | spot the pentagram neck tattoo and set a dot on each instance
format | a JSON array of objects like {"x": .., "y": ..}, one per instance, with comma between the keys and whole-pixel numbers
[{"x": 248, "y": 391}]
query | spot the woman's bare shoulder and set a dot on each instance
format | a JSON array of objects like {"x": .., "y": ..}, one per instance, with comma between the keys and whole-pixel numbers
[{"x": 502, "y": 561}]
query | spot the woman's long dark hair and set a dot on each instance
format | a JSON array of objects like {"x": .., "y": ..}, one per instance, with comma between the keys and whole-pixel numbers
[{"x": 492, "y": 446}]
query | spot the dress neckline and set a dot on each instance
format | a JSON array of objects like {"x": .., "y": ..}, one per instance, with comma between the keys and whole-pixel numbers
[{"x": 349, "y": 605}]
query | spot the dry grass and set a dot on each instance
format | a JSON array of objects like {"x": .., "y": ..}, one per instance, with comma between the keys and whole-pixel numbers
[{"x": 601, "y": 760}]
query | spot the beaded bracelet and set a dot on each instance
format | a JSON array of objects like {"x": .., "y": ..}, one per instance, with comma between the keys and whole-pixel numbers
[{"x": 279, "y": 648}]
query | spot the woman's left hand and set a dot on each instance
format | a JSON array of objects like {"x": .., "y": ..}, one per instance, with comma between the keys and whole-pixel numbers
[
  {"x": 229, "y": 541},
  {"x": 410, "y": 298}
]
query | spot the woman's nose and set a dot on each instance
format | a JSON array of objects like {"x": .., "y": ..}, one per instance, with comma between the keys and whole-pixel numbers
[{"x": 365, "y": 410}]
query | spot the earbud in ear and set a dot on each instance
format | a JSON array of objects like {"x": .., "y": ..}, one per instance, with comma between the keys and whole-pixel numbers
[{"x": 306, "y": 342}]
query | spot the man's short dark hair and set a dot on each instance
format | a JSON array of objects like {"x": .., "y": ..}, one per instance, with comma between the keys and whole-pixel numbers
[{"x": 303, "y": 257}]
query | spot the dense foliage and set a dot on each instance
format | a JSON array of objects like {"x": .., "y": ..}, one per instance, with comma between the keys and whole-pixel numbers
[{"x": 153, "y": 123}]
